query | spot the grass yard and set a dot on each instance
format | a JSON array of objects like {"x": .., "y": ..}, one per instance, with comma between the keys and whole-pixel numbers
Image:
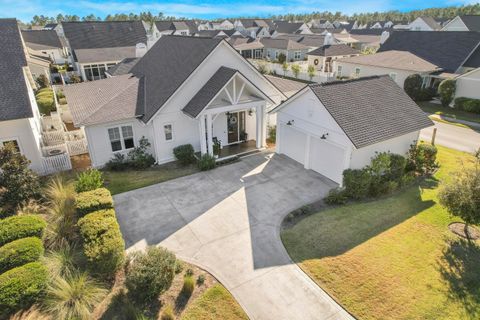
[
  {"x": 449, "y": 112},
  {"x": 393, "y": 258},
  {"x": 215, "y": 303}
]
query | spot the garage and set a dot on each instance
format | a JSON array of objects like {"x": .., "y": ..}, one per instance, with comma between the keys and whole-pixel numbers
[{"x": 333, "y": 126}]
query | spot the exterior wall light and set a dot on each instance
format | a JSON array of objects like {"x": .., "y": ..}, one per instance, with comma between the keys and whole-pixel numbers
[{"x": 290, "y": 122}]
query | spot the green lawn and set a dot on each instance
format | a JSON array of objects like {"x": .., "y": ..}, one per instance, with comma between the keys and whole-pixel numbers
[
  {"x": 393, "y": 258},
  {"x": 449, "y": 112},
  {"x": 215, "y": 303},
  {"x": 121, "y": 181}
]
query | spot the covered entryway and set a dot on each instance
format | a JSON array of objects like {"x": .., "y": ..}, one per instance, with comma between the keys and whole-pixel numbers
[{"x": 230, "y": 110}]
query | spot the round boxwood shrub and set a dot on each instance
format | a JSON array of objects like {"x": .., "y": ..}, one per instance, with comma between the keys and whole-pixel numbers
[
  {"x": 103, "y": 244},
  {"x": 446, "y": 89},
  {"x": 90, "y": 201},
  {"x": 357, "y": 183},
  {"x": 89, "y": 180},
  {"x": 150, "y": 274},
  {"x": 17, "y": 227},
  {"x": 184, "y": 154},
  {"x": 20, "y": 252},
  {"x": 45, "y": 105},
  {"x": 21, "y": 287}
]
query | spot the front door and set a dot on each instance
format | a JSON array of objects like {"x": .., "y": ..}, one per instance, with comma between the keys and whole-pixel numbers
[{"x": 236, "y": 126}]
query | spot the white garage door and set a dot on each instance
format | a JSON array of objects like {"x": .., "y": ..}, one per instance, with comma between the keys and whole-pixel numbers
[
  {"x": 293, "y": 143},
  {"x": 327, "y": 159}
]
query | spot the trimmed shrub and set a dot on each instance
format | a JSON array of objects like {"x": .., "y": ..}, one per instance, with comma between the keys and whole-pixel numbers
[
  {"x": 467, "y": 104},
  {"x": 426, "y": 94},
  {"x": 42, "y": 81},
  {"x": 17, "y": 227},
  {"x": 206, "y": 162},
  {"x": 446, "y": 89},
  {"x": 396, "y": 168},
  {"x": 422, "y": 158},
  {"x": 60, "y": 94},
  {"x": 150, "y": 274},
  {"x": 184, "y": 154},
  {"x": 188, "y": 286},
  {"x": 336, "y": 196},
  {"x": 117, "y": 163},
  {"x": 103, "y": 245},
  {"x": 62, "y": 101},
  {"x": 139, "y": 158},
  {"x": 90, "y": 201},
  {"x": 413, "y": 86},
  {"x": 356, "y": 183},
  {"x": 21, "y": 287},
  {"x": 201, "y": 279},
  {"x": 46, "y": 105},
  {"x": 20, "y": 252},
  {"x": 282, "y": 58},
  {"x": 89, "y": 180},
  {"x": 272, "y": 134}
]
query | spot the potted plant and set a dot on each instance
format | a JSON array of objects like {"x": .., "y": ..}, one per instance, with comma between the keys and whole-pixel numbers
[
  {"x": 243, "y": 136},
  {"x": 216, "y": 148}
]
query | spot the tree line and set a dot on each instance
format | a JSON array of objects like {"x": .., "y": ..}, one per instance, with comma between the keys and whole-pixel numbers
[{"x": 394, "y": 15}]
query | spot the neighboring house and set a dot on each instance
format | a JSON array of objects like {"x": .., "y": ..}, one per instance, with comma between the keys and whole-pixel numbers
[
  {"x": 334, "y": 126},
  {"x": 455, "y": 52},
  {"x": 98, "y": 45},
  {"x": 424, "y": 24},
  {"x": 292, "y": 50},
  {"x": 249, "y": 48},
  {"x": 321, "y": 24},
  {"x": 249, "y": 27},
  {"x": 224, "y": 25},
  {"x": 46, "y": 43},
  {"x": 312, "y": 41},
  {"x": 468, "y": 85},
  {"x": 185, "y": 90},
  {"x": 364, "y": 38},
  {"x": 285, "y": 27},
  {"x": 180, "y": 28},
  {"x": 324, "y": 57},
  {"x": 463, "y": 23}
]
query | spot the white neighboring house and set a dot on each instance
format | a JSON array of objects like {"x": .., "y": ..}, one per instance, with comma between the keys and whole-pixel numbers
[
  {"x": 323, "y": 58},
  {"x": 463, "y": 23},
  {"x": 424, "y": 24},
  {"x": 45, "y": 43},
  {"x": 334, "y": 126},
  {"x": 397, "y": 64},
  {"x": 185, "y": 90},
  {"x": 468, "y": 85}
]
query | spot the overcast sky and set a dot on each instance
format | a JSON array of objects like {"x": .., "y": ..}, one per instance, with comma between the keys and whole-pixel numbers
[{"x": 25, "y": 9}]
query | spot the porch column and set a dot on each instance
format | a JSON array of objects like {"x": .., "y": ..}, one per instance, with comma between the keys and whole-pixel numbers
[
  {"x": 209, "y": 134},
  {"x": 203, "y": 137},
  {"x": 260, "y": 128}
]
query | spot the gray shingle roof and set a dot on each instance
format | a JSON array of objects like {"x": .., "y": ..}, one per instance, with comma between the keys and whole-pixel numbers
[
  {"x": 14, "y": 99},
  {"x": 105, "y": 100},
  {"x": 123, "y": 67},
  {"x": 41, "y": 39},
  {"x": 208, "y": 91},
  {"x": 104, "y": 34},
  {"x": 283, "y": 44},
  {"x": 287, "y": 27},
  {"x": 334, "y": 50},
  {"x": 167, "y": 65},
  {"x": 446, "y": 49},
  {"x": 472, "y": 22},
  {"x": 371, "y": 110},
  {"x": 104, "y": 54}
]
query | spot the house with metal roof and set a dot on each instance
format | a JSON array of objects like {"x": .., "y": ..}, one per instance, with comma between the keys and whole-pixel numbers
[
  {"x": 184, "y": 90},
  {"x": 333, "y": 126}
]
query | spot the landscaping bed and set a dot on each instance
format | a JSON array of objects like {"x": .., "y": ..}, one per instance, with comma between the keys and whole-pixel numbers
[
  {"x": 394, "y": 257},
  {"x": 438, "y": 109}
]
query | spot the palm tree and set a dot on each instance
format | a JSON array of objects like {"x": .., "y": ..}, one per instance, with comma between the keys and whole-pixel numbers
[
  {"x": 73, "y": 297},
  {"x": 61, "y": 213}
]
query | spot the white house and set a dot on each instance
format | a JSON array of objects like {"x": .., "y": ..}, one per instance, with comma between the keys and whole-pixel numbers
[
  {"x": 323, "y": 58},
  {"x": 468, "y": 85},
  {"x": 424, "y": 24},
  {"x": 463, "y": 23},
  {"x": 184, "y": 90},
  {"x": 397, "y": 64},
  {"x": 46, "y": 43},
  {"x": 330, "y": 127}
]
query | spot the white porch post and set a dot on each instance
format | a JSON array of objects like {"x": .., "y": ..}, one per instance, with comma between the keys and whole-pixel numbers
[
  {"x": 209, "y": 134},
  {"x": 261, "y": 127},
  {"x": 203, "y": 141}
]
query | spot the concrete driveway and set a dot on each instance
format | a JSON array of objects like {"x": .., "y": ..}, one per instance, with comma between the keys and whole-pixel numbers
[{"x": 227, "y": 221}]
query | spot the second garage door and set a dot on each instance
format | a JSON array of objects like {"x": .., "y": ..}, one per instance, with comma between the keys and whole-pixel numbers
[
  {"x": 293, "y": 143},
  {"x": 327, "y": 159}
]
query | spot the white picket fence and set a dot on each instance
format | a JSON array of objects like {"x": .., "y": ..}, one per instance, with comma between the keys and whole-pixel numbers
[
  {"x": 77, "y": 147},
  {"x": 56, "y": 163},
  {"x": 53, "y": 137},
  {"x": 276, "y": 68}
]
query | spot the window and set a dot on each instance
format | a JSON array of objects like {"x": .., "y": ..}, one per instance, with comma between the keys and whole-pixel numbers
[
  {"x": 393, "y": 75},
  {"x": 357, "y": 72},
  {"x": 276, "y": 54},
  {"x": 339, "y": 71},
  {"x": 14, "y": 142},
  {"x": 183, "y": 33},
  {"x": 168, "y": 130},
  {"x": 96, "y": 71},
  {"x": 297, "y": 55},
  {"x": 121, "y": 138}
]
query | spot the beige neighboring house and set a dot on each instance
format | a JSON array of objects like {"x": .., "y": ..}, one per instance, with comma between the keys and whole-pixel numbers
[
  {"x": 324, "y": 57},
  {"x": 397, "y": 64},
  {"x": 468, "y": 85}
]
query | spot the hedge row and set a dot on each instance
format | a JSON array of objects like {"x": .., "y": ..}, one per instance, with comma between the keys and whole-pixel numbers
[
  {"x": 468, "y": 104},
  {"x": 20, "y": 252},
  {"x": 17, "y": 227},
  {"x": 90, "y": 201},
  {"x": 21, "y": 287},
  {"x": 103, "y": 245}
]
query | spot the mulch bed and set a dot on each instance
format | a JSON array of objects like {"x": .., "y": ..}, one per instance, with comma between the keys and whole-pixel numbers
[{"x": 459, "y": 229}]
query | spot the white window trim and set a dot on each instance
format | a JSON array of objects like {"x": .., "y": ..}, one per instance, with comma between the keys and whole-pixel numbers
[
  {"x": 393, "y": 76},
  {"x": 299, "y": 53},
  {"x": 2, "y": 140},
  {"x": 122, "y": 142},
  {"x": 339, "y": 71},
  {"x": 357, "y": 74},
  {"x": 173, "y": 132}
]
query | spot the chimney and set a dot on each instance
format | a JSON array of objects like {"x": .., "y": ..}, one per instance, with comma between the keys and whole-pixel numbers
[
  {"x": 140, "y": 49},
  {"x": 384, "y": 36}
]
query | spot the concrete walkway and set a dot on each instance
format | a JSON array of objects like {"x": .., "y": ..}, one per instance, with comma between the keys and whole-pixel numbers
[{"x": 227, "y": 221}]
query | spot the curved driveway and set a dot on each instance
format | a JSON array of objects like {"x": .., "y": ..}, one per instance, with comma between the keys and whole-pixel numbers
[{"x": 227, "y": 221}]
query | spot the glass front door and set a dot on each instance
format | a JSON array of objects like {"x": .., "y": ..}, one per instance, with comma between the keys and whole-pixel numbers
[{"x": 236, "y": 127}]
